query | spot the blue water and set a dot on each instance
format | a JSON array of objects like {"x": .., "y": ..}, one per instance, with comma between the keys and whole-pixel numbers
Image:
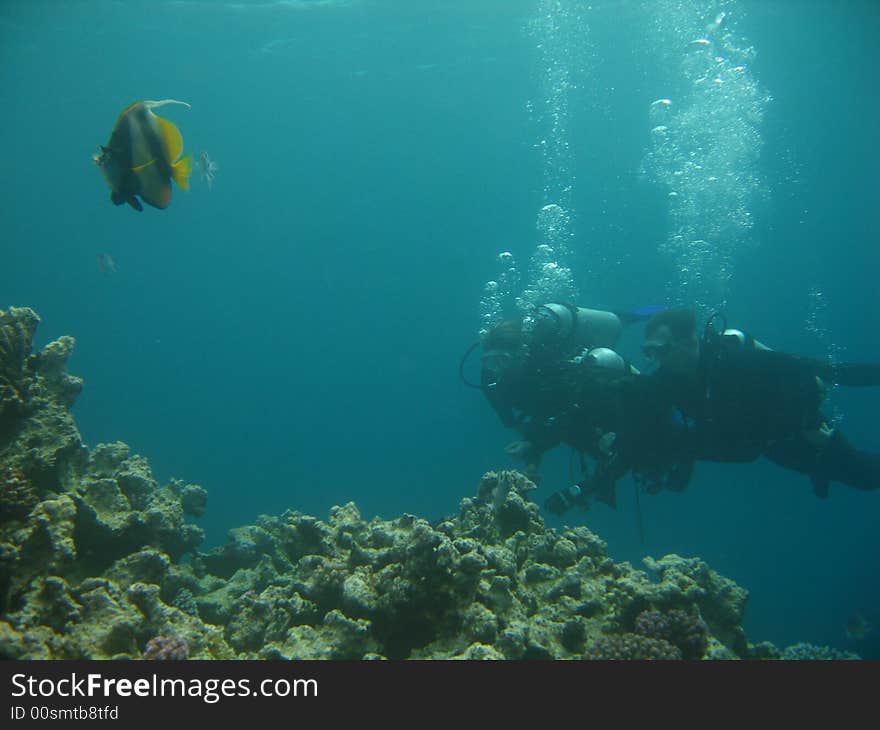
[{"x": 290, "y": 339}]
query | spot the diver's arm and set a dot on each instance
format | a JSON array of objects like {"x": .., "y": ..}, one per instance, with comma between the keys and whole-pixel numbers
[
  {"x": 737, "y": 339},
  {"x": 602, "y": 484},
  {"x": 851, "y": 374},
  {"x": 531, "y": 457},
  {"x": 611, "y": 466},
  {"x": 538, "y": 437}
]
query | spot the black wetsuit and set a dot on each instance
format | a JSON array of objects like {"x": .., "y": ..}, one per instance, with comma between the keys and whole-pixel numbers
[
  {"x": 743, "y": 403},
  {"x": 747, "y": 402},
  {"x": 548, "y": 403},
  {"x": 555, "y": 402}
]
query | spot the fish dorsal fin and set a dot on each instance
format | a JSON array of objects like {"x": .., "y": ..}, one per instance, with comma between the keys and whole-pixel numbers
[
  {"x": 163, "y": 102},
  {"x": 171, "y": 137},
  {"x": 170, "y": 133}
]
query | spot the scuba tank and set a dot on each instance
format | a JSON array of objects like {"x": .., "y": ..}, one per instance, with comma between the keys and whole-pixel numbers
[
  {"x": 554, "y": 327},
  {"x": 606, "y": 359}
]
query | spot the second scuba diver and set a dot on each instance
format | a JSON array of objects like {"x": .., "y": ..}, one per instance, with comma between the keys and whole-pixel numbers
[{"x": 729, "y": 398}]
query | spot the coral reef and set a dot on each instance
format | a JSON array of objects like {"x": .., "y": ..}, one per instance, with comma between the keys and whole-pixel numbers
[
  {"x": 97, "y": 560},
  {"x": 80, "y": 531},
  {"x": 17, "y": 327}
]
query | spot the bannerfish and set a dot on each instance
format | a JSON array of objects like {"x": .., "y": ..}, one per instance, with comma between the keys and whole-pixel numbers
[{"x": 143, "y": 156}]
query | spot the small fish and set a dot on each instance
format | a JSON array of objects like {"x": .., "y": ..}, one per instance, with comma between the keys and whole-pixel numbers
[
  {"x": 143, "y": 156},
  {"x": 208, "y": 169},
  {"x": 858, "y": 627},
  {"x": 106, "y": 264}
]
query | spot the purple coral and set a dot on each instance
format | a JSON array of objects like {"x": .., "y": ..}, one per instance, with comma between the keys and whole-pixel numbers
[
  {"x": 621, "y": 647},
  {"x": 166, "y": 648},
  {"x": 686, "y": 632}
]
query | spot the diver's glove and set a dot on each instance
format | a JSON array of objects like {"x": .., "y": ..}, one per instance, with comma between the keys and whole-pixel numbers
[{"x": 560, "y": 502}]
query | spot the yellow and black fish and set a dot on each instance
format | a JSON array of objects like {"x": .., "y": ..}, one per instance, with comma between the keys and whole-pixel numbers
[{"x": 141, "y": 157}]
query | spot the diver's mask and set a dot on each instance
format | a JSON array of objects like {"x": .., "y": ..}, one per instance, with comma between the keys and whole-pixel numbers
[
  {"x": 495, "y": 364},
  {"x": 656, "y": 350},
  {"x": 672, "y": 355}
]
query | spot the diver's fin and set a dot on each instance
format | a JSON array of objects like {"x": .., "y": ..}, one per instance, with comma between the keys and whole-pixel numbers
[
  {"x": 852, "y": 374},
  {"x": 136, "y": 204},
  {"x": 181, "y": 170},
  {"x": 820, "y": 486},
  {"x": 640, "y": 314}
]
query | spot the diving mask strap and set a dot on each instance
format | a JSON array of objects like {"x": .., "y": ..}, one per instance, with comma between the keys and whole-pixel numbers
[{"x": 461, "y": 363}]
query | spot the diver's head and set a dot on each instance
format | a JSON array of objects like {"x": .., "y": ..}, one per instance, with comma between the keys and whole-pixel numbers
[
  {"x": 502, "y": 352},
  {"x": 506, "y": 335},
  {"x": 671, "y": 340},
  {"x": 502, "y": 367}
]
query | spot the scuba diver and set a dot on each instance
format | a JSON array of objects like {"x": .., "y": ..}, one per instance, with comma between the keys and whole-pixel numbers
[
  {"x": 746, "y": 400},
  {"x": 729, "y": 398},
  {"x": 543, "y": 376}
]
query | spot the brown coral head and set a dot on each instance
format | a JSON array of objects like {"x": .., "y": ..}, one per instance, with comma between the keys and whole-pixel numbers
[{"x": 166, "y": 648}]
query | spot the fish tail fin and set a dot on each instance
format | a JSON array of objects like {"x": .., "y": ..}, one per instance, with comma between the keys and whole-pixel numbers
[{"x": 181, "y": 171}]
